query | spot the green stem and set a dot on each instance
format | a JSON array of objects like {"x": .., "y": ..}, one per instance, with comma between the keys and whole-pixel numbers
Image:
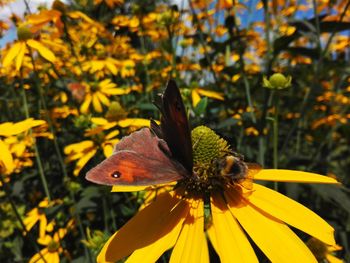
[
  {"x": 37, "y": 154},
  {"x": 57, "y": 149},
  {"x": 48, "y": 119},
  {"x": 275, "y": 136},
  {"x": 249, "y": 99}
]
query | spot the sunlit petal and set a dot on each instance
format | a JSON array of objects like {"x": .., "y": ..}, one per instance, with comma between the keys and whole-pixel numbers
[
  {"x": 136, "y": 122},
  {"x": 195, "y": 98},
  {"x": 211, "y": 94},
  {"x": 43, "y": 51},
  {"x": 153, "y": 222},
  {"x": 20, "y": 56},
  {"x": 189, "y": 246},
  {"x": 12, "y": 53},
  {"x": 85, "y": 106},
  {"x": 153, "y": 251},
  {"x": 124, "y": 188},
  {"x": 38, "y": 257},
  {"x": 278, "y": 242},
  {"x": 83, "y": 160},
  {"x": 226, "y": 235},
  {"x": 292, "y": 213},
  {"x": 96, "y": 103},
  {"x": 280, "y": 175},
  {"x": 333, "y": 259},
  {"x": 6, "y": 158}
]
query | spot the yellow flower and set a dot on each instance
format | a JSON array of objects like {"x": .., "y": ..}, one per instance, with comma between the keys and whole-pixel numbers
[
  {"x": 224, "y": 210},
  {"x": 98, "y": 93},
  {"x": 10, "y": 146},
  {"x": 51, "y": 252},
  {"x": 37, "y": 215},
  {"x": 83, "y": 151},
  {"x": 18, "y": 50}
]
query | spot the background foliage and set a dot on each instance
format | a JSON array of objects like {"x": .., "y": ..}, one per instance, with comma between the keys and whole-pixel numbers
[{"x": 90, "y": 69}]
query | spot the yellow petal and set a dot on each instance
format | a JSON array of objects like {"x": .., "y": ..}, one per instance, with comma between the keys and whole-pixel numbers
[
  {"x": 135, "y": 122},
  {"x": 111, "y": 135},
  {"x": 52, "y": 257},
  {"x": 103, "y": 98},
  {"x": 85, "y": 106},
  {"x": 124, "y": 188},
  {"x": 96, "y": 103},
  {"x": 333, "y": 259},
  {"x": 112, "y": 68},
  {"x": 292, "y": 213},
  {"x": 153, "y": 251},
  {"x": 227, "y": 237},
  {"x": 99, "y": 120},
  {"x": 37, "y": 258},
  {"x": 20, "y": 56},
  {"x": 195, "y": 98},
  {"x": 150, "y": 224},
  {"x": 211, "y": 94},
  {"x": 192, "y": 233},
  {"x": 272, "y": 236},
  {"x": 43, "y": 51},
  {"x": 6, "y": 158},
  {"x": 12, "y": 53},
  {"x": 42, "y": 226},
  {"x": 25, "y": 125},
  {"x": 280, "y": 175},
  {"x": 78, "y": 147},
  {"x": 83, "y": 160}
]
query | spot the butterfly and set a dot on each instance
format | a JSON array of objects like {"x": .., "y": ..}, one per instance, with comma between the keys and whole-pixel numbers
[
  {"x": 161, "y": 154},
  {"x": 158, "y": 155}
]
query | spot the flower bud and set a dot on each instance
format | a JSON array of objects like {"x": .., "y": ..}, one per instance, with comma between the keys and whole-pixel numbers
[{"x": 277, "y": 81}]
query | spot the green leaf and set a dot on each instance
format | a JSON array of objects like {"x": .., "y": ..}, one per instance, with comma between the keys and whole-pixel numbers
[{"x": 201, "y": 106}]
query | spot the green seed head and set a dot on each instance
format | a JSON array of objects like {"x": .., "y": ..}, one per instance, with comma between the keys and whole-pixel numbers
[
  {"x": 24, "y": 33},
  {"x": 207, "y": 145},
  {"x": 53, "y": 246},
  {"x": 115, "y": 112},
  {"x": 277, "y": 81}
]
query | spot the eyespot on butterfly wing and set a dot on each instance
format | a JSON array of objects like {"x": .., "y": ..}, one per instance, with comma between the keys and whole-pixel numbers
[{"x": 139, "y": 159}]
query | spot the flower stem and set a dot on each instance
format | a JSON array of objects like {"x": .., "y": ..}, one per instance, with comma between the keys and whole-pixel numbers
[
  {"x": 36, "y": 150},
  {"x": 275, "y": 135}
]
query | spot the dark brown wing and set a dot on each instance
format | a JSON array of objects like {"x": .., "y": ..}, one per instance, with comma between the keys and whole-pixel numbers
[
  {"x": 174, "y": 125},
  {"x": 138, "y": 159}
]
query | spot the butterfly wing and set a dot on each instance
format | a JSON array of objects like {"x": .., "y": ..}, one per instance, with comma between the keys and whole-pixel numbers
[
  {"x": 174, "y": 125},
  {"x": 138, "y": 159}
]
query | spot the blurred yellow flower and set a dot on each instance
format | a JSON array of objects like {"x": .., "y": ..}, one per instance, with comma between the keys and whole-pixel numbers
[
  {"x": 98, "y": 93},
  {"x": 37, "y": 215},
  {"x": 18, "y": 50},
  {"x": 7, "y": 146},
  {"x": 53, "y": 249}
]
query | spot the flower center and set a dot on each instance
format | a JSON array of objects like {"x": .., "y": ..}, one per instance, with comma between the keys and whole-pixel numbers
[
  {"x": 214, "y": 165},
  {"x": 53, "y": 246}
]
